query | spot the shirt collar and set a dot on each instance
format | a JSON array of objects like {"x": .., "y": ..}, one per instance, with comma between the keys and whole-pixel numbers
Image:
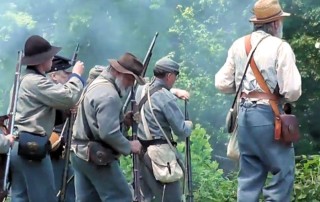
[
  {"x": 33, "y": 70},
  {"x": 159, "y": 82}
]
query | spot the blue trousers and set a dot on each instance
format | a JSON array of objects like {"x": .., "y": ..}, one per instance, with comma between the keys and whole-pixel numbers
[
  {"x": 32, "y": 181},
  {"x": 58, "y": 169},
  {"x": 99, "y": 183},
  {"x": 261, "y": 155}
]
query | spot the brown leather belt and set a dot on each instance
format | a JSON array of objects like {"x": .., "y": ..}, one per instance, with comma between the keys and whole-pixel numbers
[{"x": 260, "y": 95}]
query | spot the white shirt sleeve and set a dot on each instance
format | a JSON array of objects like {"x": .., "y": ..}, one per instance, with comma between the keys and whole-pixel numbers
[{"x": 288, "y": 76}]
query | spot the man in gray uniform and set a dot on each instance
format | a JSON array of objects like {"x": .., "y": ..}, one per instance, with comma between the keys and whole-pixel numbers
[
  {"x": 170, "y": 119},
  {"x": 38, "y": 98},
  {"x": 260, "y": 153},
  {"x": 59, "y": 74},
  {"x": 98, "y": 123}
]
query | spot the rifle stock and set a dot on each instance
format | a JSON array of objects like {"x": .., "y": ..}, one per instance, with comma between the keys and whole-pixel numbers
[
  {"x": 9, "y": 129},
  {"x": 136, "y": 173},
  {"x": 145, "y": 67}
]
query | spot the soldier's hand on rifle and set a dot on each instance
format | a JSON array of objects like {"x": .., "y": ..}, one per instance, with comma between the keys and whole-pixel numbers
[
  {"x": 78, "y": 68},
  {"x": 128, "y": 119},
  {"x": 181, "y": 94},
  {"x": 189, "y": 123},
  {"x": 11, "y": 138},
  {"x": 135, "y": 146}
]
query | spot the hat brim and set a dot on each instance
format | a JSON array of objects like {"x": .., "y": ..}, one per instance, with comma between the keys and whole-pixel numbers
[
  {"x": 68, "y": 70},
  {"x": 254, "y": 19},
  {"x": 114, "y": 63},
  {"x": 40, "y": 58}
]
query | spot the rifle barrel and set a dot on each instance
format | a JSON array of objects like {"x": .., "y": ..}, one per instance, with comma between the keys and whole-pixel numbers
[
  {"x": 145, "y": 67},
  {"x": 12, "y": 114},
  {"x": 188, "y": 159},
  {"x": 136, "y": 173},
  {"x": 75, "y": 55}
]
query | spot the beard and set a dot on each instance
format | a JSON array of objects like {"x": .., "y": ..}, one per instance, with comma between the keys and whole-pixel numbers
[
  {"x": 279, "y": 31},
  {"x": 119, "y": 84}
]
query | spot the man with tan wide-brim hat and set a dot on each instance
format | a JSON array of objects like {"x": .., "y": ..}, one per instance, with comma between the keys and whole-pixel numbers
[
  {"x": 98, "y": 123},
  {"x": 261, "y": 153},
  {"x": 267, "y": 11},
  {"x": 37, "y": 101}
]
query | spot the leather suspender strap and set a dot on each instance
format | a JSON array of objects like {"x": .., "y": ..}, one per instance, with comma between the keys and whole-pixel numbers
[
  {"x": 265, "y": 88},
  {"x": 145, "y": 97}
]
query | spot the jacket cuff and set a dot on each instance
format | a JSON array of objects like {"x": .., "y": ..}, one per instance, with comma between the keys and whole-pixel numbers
[{"x": 79, "y": 77}]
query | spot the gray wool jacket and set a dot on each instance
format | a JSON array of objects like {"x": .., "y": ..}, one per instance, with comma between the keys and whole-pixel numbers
[
  {"x": 166, "y": 111},
  {"x": 38, "y": 99},
  {"x": 99, "y": 116}
]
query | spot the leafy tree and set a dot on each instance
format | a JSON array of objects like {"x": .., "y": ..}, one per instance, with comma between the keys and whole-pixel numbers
[{"x": 302, "y": 32}]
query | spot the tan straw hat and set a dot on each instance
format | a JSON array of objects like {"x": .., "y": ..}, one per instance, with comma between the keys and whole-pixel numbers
[{"x": 267, "y": 11}]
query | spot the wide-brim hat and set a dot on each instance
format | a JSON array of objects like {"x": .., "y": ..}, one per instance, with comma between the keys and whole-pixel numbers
[
  {"x": 61, "y": 63},
  {"x": 38, "y": 50},
  {"x": 129, "y": 64},
  {"x": 267, "y": 11}
]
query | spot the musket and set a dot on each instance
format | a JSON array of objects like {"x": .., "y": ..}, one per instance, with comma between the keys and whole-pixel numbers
[
  {"x": 62, "y": 190},
  {"x": 70, "y": 120},
  {"x": 74, "y": 56},
  {"x": 10, "y": 125},
  {"x": 188, "y": 160},
  {"x": 145, "y": 67},
  {"x": 134, "y": 129}
]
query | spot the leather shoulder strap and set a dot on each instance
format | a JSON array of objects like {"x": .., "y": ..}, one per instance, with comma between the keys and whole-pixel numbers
[
  {"x": 262, "y": 83},
  {"x": 145, "y": 97},
  {"x": 80, "y": 102}
]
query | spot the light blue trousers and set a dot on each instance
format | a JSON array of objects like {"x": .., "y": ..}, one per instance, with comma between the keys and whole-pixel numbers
[
  {"x": 32, "y": 181},
  {"x": 99, "y": 183},
  {"x": 260, "y": 154}
]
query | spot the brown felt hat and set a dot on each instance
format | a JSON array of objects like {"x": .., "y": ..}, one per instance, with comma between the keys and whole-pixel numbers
[
  {"x": 129, "y": 64},
  {"x": 38, "y": 50},
  {"x": 267, "y": 11}
]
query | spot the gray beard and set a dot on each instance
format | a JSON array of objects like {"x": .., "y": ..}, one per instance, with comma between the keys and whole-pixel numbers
[
  {"x": 279, "y": 32},
  {"x": 123, "y": 90}
]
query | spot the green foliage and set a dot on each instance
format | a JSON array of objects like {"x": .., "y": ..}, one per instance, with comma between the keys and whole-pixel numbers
[
  {"x": 209, "y": 181},
  {"x": 211, "y": 184},
  {"x": 302, "y": 31},
  {"x": 307, "y": 179}
]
